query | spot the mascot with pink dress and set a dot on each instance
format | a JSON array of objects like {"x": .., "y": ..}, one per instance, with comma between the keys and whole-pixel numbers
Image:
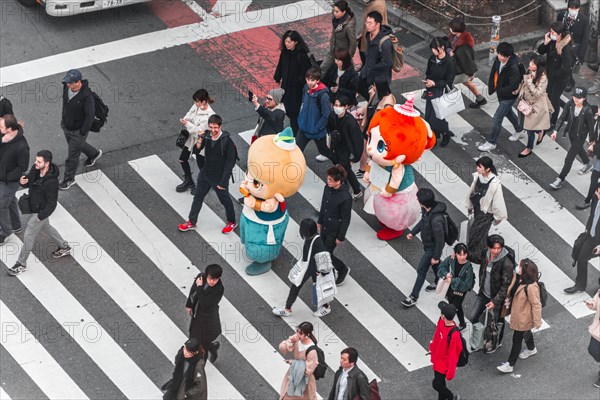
[{"x": 397, "y": 137}]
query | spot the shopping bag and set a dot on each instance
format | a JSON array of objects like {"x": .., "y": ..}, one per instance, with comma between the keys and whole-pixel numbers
[
  {"x": 442, "y": 288},
  {"x": 326, "y": 289},
  {"x": 297, "y": 272},
  {"x": 451, "y": 102},
  {"x": 476, "y": 339},
  {"x": 490, "y": 332}
]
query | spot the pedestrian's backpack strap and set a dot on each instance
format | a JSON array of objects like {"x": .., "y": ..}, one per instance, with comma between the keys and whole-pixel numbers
[{"x": 455, "y": 329}]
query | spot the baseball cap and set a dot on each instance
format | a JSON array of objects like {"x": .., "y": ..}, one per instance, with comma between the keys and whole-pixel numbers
[
  {"x": 448, "y": 310},
  {"x": 580, "y": 92},
  {"x": 73, "y": 75},
  {"x": 192, "y": 345}
]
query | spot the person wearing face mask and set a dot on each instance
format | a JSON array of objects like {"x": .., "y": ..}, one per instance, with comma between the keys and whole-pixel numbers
[
  {"x": 439, "y": 76},
  {"x": 525, "y": 308},
  {"x": 577, "y": 25},
  {"x": 580, "y": 126},
  {"x": 271, "y": 115},
  {"x": 560, "y": 58},
  {"x": 343, "y": 35},
  {"x": 348, "y": 146},
  {"x": 341, "y": 77}
]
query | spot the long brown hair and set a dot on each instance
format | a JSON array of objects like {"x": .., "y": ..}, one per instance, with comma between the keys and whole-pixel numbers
[
  {"x": 529, "y": 271},
  {"x": 307, "y": 329}
]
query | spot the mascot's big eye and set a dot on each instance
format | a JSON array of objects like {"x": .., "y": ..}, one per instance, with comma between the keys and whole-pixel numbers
[
  {"x": 257, "y": 185},
  {"x": 381, "y": 146}
]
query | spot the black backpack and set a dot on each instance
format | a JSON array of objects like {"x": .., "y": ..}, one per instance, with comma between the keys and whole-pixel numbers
[
  {"x": 450, "y": 229},
  {"x": 100, "y": 113},
  {"x": 463, "y": 357},
  {"x": 543, "y": 291},
  {"x": 319, "y": 372}
]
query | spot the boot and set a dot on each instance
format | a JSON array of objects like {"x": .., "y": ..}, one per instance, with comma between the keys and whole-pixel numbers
[{"x": 187, "y": 183}]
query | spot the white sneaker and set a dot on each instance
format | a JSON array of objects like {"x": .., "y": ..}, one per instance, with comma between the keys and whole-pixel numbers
[
  {"x": 527, "y": 353},
  {"x": 586, "y": 168},
  {"x": 322, "y": 311},
  {"x": 281, "y": 312},
  {"x": 486, "y": 146},
  {"x": 557, "y": 184},
  {"x": 515, "y": 137},
  {"x": 505, "y": 367},
  {"x": 321, "y": 158}
]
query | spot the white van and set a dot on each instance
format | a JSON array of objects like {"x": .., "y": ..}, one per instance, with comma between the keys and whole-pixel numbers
[{"x": 64, "y": 8}]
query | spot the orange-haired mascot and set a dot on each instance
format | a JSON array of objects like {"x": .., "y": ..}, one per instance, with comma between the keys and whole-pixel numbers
[{"x": 397, "y": 137}]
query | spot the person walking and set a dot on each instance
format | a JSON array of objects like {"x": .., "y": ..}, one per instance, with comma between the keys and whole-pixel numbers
[
  {"x": 431, "y": 227},
  {"x": 533, "y": 93},
  {"x": 78, "y": 114},
  {"x": 504, "y": 80},
  {"x": 525, "y": 308},
  {"x": 14, "y": 160},
  {"x": 579, "y": 116},
  {"x": 445, "y": 348},
  {"x": 195, "y": 122},
  {"x": 189, "y": 378},
  {"x": 560, "y": 58},
  {"x": 203, "y": 306},
  {"x": 349, "y": 381},
  {"x": 343, "y": 35},
  {"x": 42, "y": 181},
  {"x": 220, "y": 156},
  {"x": 341, "y": 78},
  {"x": 439, "y": 78},
  {"x": 458, "y": 272},
  {"x": 302, "y": 360},
  {"x": 378, "y": 56},
  {"x": 372, "y": 5},
  {"x": 486, "y": 202},
  {"x": 593, "y": 148},
  {"x": 577, "y": 25},
  {"x": 290, "y": 73},
  {"x": 594, "y": 329},
  {"x": 312, "y": 252},
  {"x": 462, "y": 51}
]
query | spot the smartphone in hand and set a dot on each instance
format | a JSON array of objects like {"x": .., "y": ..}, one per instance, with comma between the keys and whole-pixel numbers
[{"x": 250, "y": 95}]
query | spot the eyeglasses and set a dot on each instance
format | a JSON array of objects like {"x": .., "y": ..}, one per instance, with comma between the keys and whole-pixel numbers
[{"x": 269, "y": 99}]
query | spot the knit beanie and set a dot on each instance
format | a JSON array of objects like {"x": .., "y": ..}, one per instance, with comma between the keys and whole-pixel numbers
[{"x": 277, "y": 94}]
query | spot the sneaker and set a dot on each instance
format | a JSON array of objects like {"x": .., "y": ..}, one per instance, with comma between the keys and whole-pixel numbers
[
  {"x": 360, "y": 173},
  {"x": 431, "y": 287},
  {"x": 456, "y": 397},
  {"x": 61, "y": 252},
  {"x": 229, "y": 227},
  {"x": 486, "y": 146},
  {"x": 322, "y": 158},
  {"x": 322, "y": 311},
  {"x": 505, "y": 367},
  {"x": 91, "y": 161},
  {"x": 18, "y": 230},
  {"x": 409, "y": 301},
  {"x": 597, "y": 384},
  {"x": 477, "y": 104},
  {"x": 515, "y": 137},
  {"x": 65, "y": 185},
  {"x": 557, "y": 184},
  {"x": 356, "y": 196},
  {"x": 17, "y": 269},
  {"x": 527, "y": 353},
  {"x": 282, "y": 312},
  {"x": 213, "y": 351},
  {"x": 583, "y": 205},
  {"x": 494, "y": 349},
  {"x": 188, "y": 226},
  {"x": 342, "y": 277},
  {"x": 586, "y": 168}
]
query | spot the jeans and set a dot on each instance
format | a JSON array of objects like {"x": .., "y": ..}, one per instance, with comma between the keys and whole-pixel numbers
[
  {"x": 531, "y": 136},
  {"x": 9, "y": 210},
  {"x": 575, "y": 150},
  {"x": 555, "y": 89},
  {"x": 77, "y": 144},
  {"x": 439, "y": 385},
  {"x": 479, "y": 307},
  {"x": 439, "y": 126},
  {"x": 330, "y": 245},
  {"x": 504, "y": 110},
  {"x": 422, "y": 271},
  {"x": 34, "y": 226},
  {"x": 517, "y": 344},
  {"x": 302, "y": 141},
  {"x": 202, "y": 189}
]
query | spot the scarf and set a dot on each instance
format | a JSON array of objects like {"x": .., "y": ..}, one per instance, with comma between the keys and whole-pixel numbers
[
  {"x": 337, "y": 22},
  {"x": 189, "y": 374}
]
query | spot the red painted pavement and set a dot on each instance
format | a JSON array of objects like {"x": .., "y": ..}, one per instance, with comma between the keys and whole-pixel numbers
[{"x": 173, "y": 13}]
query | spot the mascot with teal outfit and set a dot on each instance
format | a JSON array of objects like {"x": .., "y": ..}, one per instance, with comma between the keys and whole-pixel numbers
[{"x": 276, "y": 169}]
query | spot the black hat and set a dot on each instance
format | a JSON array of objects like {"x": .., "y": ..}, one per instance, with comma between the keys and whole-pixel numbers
[
  {"x": 192, "y": 345},
  {"x": 448, "y": 310},
  {"x": 580, "y": 92}
]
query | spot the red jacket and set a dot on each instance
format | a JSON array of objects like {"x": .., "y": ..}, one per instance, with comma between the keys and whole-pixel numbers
[{"x": 443, "y": 356}]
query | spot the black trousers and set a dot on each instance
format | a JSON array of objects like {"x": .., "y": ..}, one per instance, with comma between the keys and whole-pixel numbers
[
  {"x": 575, "y": 150},
  {"x": 439, "y": 385},
  {"x": 294, "y": 290},
  {"x": 439, "y": 126},
  {"x": 585, "y": 254},
  {"x": 554, "y": 90},
  {"x": 593, "y": 185},
  {"x": 517, "y": 344},
  {"x": 202, "y": 189},
  {"x": 457, "y": 301},
  {"x": 185, "y": 156},
  {"x": 330, "y": 245},
  {"x": 302, "y": 141},
  {"x": 344, "y": 160}
]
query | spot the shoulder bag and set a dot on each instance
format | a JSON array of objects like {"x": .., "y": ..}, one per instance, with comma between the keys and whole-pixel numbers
[
  {"x": 450, "y": 102},
  {"x": 299, "y": 269}
]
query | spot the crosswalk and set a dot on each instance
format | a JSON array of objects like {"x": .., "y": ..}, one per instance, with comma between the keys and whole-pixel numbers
[{"x": 140, "y": 205}]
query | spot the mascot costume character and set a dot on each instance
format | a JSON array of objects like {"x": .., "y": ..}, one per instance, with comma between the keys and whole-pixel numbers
[
  {"x": 397, "y": 137},
  {"x": 276, "y": 169}
]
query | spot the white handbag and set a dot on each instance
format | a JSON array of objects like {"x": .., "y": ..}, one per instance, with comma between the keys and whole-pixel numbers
[
  {"x": 442, "y": 288},
  {"x": 451, "y": 102},
  {"x": 299, "y": 269},
  {"x": 325, "y": 288}
]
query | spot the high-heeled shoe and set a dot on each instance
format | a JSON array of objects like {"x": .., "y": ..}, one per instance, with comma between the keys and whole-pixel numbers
[{"x": 539, "y": 141}]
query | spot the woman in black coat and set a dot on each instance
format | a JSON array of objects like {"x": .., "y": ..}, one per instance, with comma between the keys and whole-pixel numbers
[
  {"x": 439, "y": 74},
  {"x": 291, "y": 68},
  {"x": 203, "y": 305},
  {"x": 341, "y": 78}
]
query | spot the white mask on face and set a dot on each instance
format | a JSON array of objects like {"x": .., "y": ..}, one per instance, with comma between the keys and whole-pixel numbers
[
  {"x": 518, "y": 270},
  {"x": 553, "y": 37},
  {"x": 573, "y": 13},
  {"x": 338, "y": 110}
]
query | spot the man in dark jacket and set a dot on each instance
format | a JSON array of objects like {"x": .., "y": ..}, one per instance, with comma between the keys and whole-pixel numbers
[
  {"x": 220, "y": 155},
  {"x": 495, "y": 276},
  {"x": 378, "y": 59},
  {"x": 349, "y": 382},
  {"x": 577, "y": 25},
  {"x": 189, "y": 378},
  {"x": 203, "y": 306},
  {"x": 42, "y": 181},
  {"x": 334, "y": 217},
  {"x": 504, "y": 79},
  {"x": 270, "y": 115},
  {"x": 346, "y": 141},
  {"x": 431, "y": 227},
  {"x": 14, "y": 160},
  {"x": 580, "y": 126},
  {"x": 590, "y": 247},
  {"x": 77, "y": 117}
]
